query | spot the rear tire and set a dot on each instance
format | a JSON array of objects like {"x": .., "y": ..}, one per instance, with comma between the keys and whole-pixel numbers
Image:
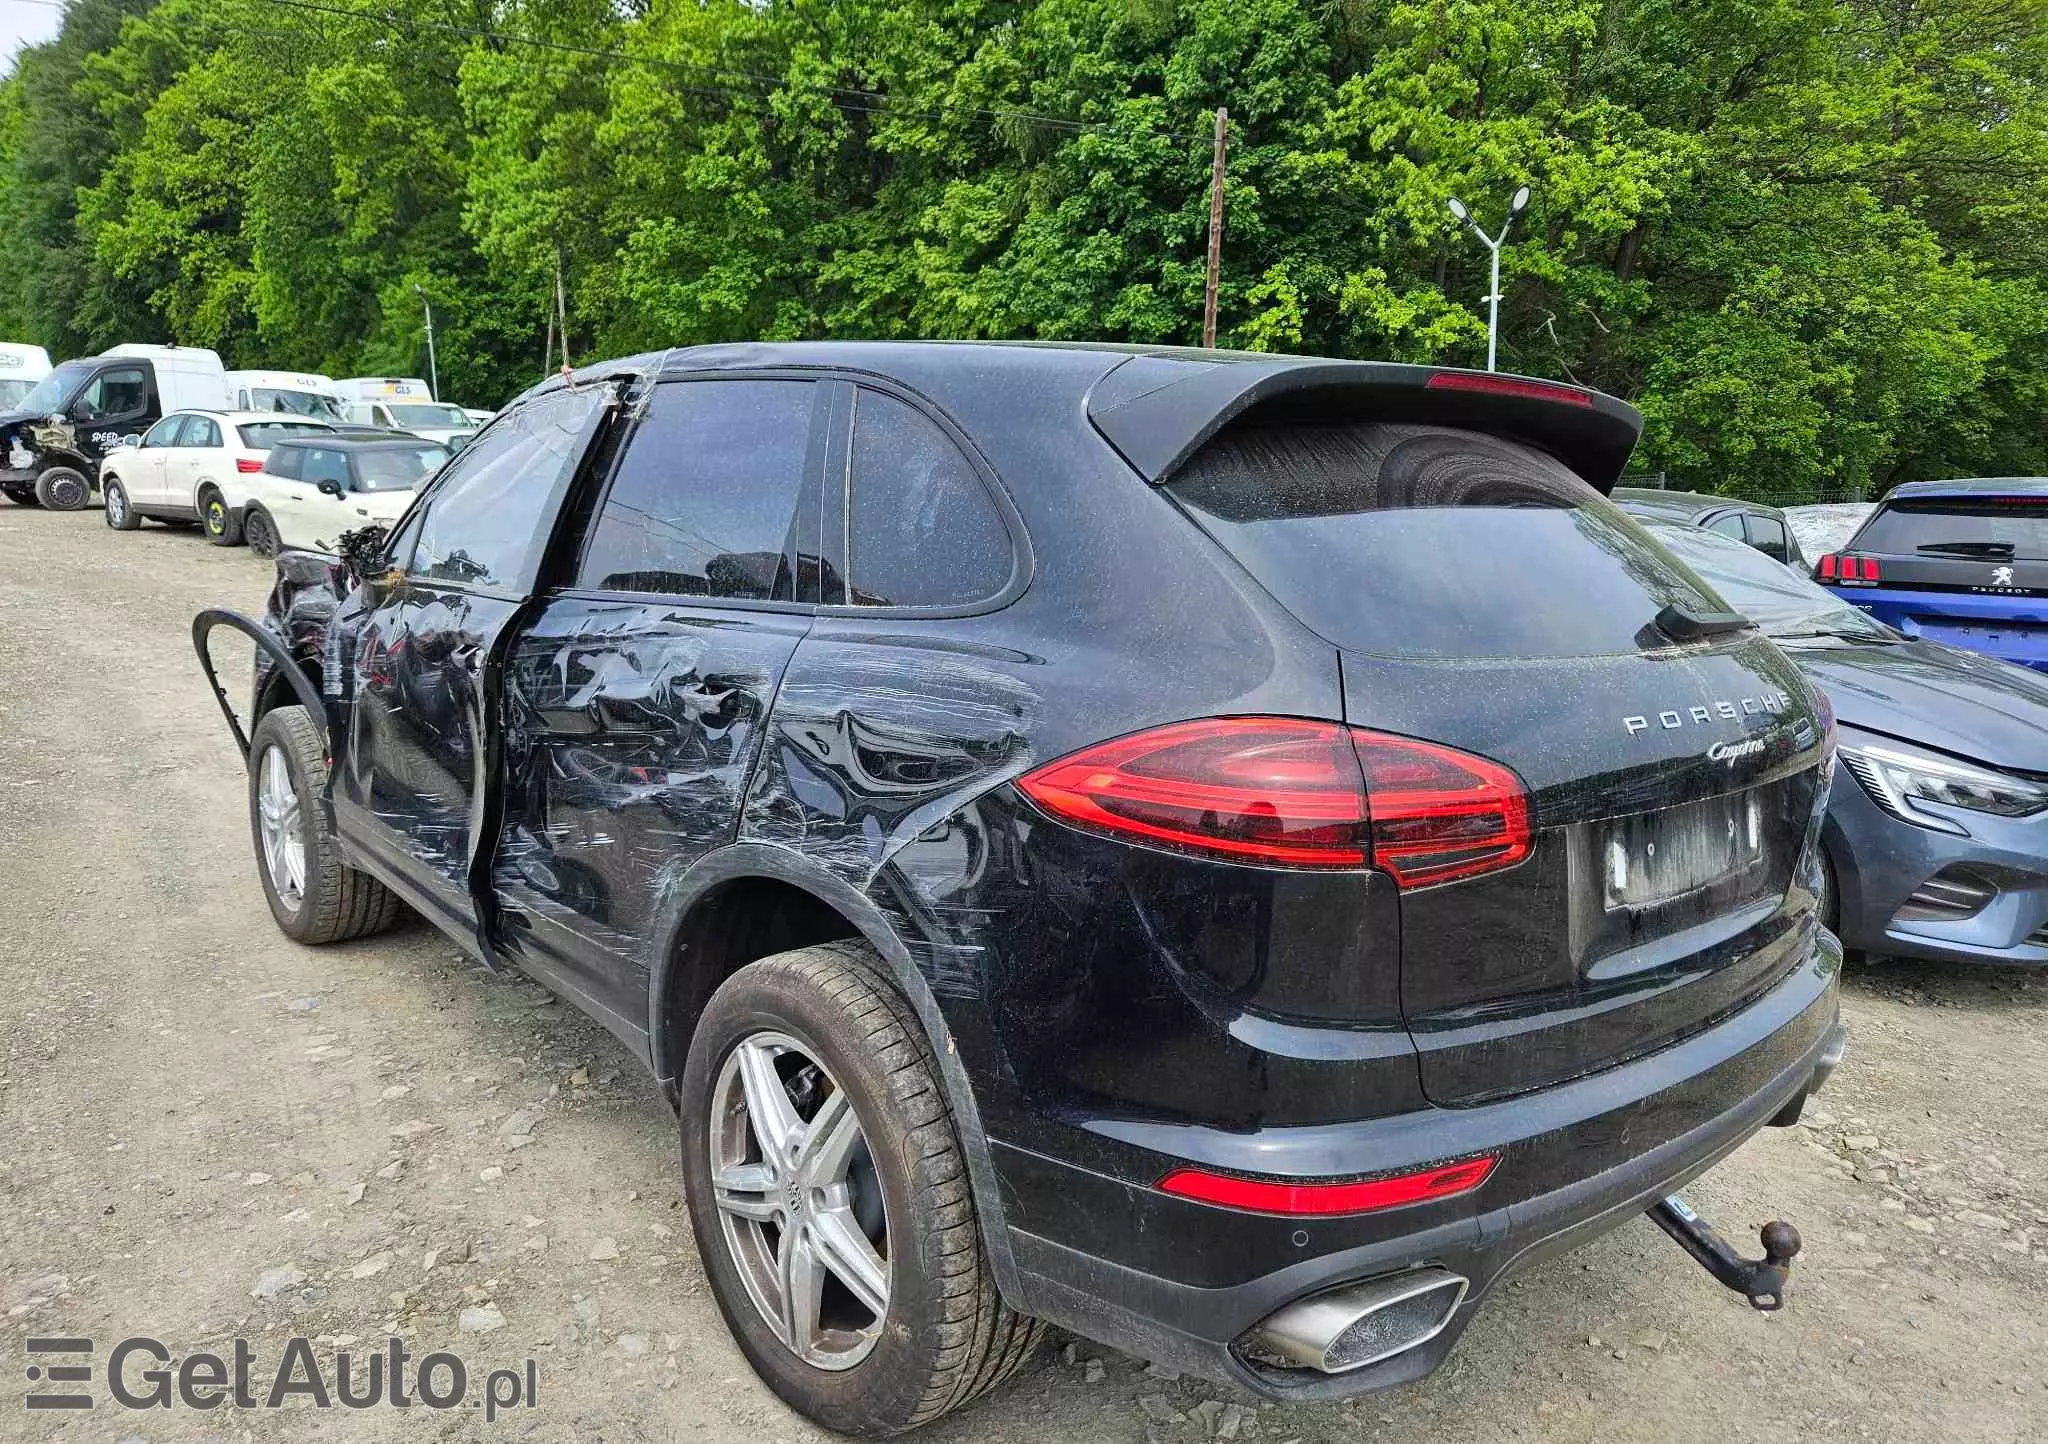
[
  {"x": 63, "y": 488},
  {"x": 260, "y": 532},
  {"x": 832, "y": 1024},
  {"x": 223, "y": 527},
  {"x": 313, "y": 894},
  {"x": 120, "y": 515}
]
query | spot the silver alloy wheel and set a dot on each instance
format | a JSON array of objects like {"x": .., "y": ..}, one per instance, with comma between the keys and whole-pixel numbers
[
  {"x": 798, "y": 1201},
  {"x": 117, "y": 505},
  {"x": 284, "y": 843}
]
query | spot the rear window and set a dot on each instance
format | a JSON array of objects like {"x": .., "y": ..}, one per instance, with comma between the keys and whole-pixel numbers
[
  {"x": 2015, "y": 527},
  {"x": 1424, "y": 541},
  {"x": 262, "y": 435}
]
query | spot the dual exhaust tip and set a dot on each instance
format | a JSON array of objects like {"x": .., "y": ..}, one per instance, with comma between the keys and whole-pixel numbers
[{"x": 1359, "y": 1324}]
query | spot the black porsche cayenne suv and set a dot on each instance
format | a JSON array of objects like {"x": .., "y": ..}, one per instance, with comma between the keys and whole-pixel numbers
[{"x": 1230, "y": 855}]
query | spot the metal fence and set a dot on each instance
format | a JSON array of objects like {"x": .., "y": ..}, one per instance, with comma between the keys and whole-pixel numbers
[{"x": 1768, "y": 495}]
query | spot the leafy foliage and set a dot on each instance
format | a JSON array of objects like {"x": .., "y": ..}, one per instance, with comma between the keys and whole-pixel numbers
[{"x": 1809, "y": 238}]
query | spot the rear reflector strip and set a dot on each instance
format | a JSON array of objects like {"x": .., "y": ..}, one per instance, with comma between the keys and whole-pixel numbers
[
  {"x": 1261, "y": 1195},
  {"x": 1497, "y": 385}
]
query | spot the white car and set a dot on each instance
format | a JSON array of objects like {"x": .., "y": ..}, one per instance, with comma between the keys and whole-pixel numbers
[
  {"x": 313, "y": 488},
  {"x": 195, "y": 465},
  {"x": 435, "y": 420}
]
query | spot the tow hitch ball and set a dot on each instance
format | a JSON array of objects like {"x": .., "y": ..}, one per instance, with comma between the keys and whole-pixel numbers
[{"x": 1761, "y": 1281}]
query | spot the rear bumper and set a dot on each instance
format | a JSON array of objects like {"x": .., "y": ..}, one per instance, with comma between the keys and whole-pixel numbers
[
  {"x": 1603, "y": 1148},
  {"x": 2012, "y": 628},
  {"x": 1880, "y": 862}
]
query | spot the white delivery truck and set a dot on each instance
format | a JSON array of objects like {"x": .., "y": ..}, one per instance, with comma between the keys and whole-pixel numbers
[
  {"x": 21, "y": 367},
  {"x": 405, "y": 403},
  {"x": 53, "y": 440},
  {"x": 294, "y": 393}
]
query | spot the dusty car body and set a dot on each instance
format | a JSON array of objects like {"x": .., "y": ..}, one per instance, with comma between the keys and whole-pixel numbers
[{"x": 1277, "y": 963}]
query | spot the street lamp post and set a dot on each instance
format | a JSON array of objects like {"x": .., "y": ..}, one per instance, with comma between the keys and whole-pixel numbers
[
  {"x": 433, "y": 371},
  {"x": 1516, "y": 206}
]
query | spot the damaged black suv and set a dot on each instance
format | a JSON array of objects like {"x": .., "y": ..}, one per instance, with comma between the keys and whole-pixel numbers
[{"x": 1229, "y": 855}]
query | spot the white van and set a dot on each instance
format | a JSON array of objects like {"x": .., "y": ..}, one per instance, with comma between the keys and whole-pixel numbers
[
  {"x": 52, "y": 442},
  {"x": 294, "y": 393},
  {"x": 21, "y": 367},
  {"x": 405, "y": 403}
]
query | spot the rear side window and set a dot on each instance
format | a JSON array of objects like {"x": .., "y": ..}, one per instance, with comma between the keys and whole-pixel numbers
[
  {"x": 396, "y": 468},
  {"x": 924, "y": 530},
  {"x": 1767, "y": 535},
  {"x": 1425, "y": 541},
  {"x": 284, "y": 461},
  {"x": 324, "y": 464},
  {"x": 704, "y": 501},
  {"x": 200, "y": 431},
  {"x": 2012, "y": 528},
  {"x": 492, "y": 507}
]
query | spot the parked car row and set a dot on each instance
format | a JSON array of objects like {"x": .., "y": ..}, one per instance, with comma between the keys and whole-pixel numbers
[
  {"x": 1936, "y": 844},
  {"x": 56, "y": 433},
  {"x": 266, "y": 478}
]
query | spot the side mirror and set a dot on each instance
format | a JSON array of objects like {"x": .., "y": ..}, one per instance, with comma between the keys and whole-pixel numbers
[
  {"x": 132, "y": 439},
  {"x": 330, "y": 487}
]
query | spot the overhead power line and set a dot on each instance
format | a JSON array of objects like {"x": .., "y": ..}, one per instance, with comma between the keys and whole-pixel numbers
[{"x": 874, "y": 102}]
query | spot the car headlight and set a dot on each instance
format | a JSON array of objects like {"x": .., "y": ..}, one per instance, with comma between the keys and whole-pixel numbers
[{"x": 1898, "y": 781}]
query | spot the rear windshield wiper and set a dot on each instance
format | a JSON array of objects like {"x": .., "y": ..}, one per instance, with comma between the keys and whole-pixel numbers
[
  {"x": 2001, "y": 550},
  {"x": 1686, "y": 624}
]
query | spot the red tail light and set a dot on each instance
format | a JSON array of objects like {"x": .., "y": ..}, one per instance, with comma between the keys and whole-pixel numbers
[
  {"x": 1258, "y": 789},
  {"x": 1495, "y": 384},
  {"x": 1854, "y": 571},
  {"x": 1260, "y": 1195},
  {"x": 1438, "y": 814},
  {"x": 1289, "y": 792},
  {"x": 248, "y": 465}
]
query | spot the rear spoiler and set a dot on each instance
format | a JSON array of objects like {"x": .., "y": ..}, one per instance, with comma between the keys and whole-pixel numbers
[{"x": 1158, "y": 410}]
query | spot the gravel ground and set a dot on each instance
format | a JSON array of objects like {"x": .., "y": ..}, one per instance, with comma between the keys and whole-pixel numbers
[{"x": 194, "y": 1110}]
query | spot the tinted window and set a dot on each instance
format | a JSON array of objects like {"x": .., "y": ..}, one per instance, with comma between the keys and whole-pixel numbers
[
  {"x": 120, "y": 392},
  {"x": 492, "y": 507},
  {"x": 925, "y": 532},
  {"x": 165, "y": 432},
  {"x": 703, "y": 503},
  {"x": 1769, "y": 593},
  {"x": 396, "y": 468},
  {"x": 200, "y": 431},
  {"x": 2015, "y": 527},
  {"x": 1767, "y": 535},
  {"x": 284, "y": 461},
  {"x": 1427, "y": 541}
]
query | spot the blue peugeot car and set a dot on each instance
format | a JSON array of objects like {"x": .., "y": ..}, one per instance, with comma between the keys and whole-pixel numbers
[
  {"x": 1961, "y": 562},
  {"x": 1936, "y": 838}
]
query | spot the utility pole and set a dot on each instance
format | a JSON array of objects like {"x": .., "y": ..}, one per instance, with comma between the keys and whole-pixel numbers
[
  {"x": 1215, "y": 232},
  {"x": 561, "y": 308},
  {"x": 433, "y": 371},
  {"x": 1516, "y": 206}
]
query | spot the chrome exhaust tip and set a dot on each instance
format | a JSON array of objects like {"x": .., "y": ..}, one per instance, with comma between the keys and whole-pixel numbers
[{"x": 1363, "y": 1323}]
